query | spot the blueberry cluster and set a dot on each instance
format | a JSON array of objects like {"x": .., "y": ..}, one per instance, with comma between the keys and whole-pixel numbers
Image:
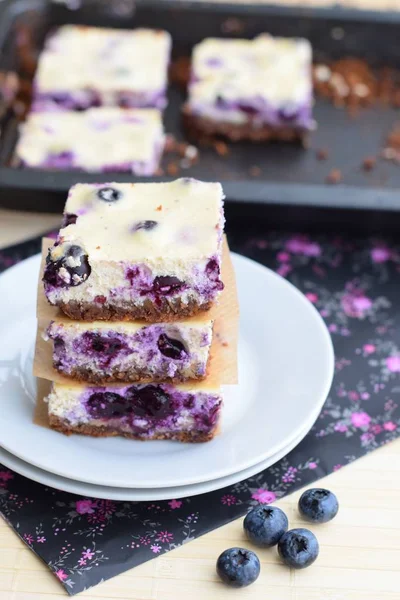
[{"x": 267, "y": 526}]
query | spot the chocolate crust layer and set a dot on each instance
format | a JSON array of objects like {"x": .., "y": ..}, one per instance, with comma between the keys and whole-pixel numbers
[
  {"x": 200, "y": 128},
  {"x": 187, "y": 437},
  {"x": 127, "y": 376},
  {"x": 164, "y": 310}
]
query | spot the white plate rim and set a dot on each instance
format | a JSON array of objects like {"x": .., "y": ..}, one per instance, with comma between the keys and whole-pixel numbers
[
  {"x": 270, "y": 451},
  {"x": 91, "y": 490}
]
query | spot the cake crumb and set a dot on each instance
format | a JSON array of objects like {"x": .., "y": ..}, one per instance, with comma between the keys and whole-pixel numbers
[
  {"x": 98, "y": 247},
  {"x": 391, "y": 150},
  {"x": 179, "y": 72},
  {"x": 159, "y": 207},
  {"x": 221, "y": 148},
  {"x": 369, "y": 163},
  {"x": 322, "y": 154},
  {"x": 170, "y": 143},
  {"x": 191, "y": 153},
  {"x": 334, "y": 177},
  {"x": 172, "y": 169},
  {"x": 255, "y": 171}
]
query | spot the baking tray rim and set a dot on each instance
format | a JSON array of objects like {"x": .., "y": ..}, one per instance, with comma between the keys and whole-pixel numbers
[{"x": 335, "y": 196}]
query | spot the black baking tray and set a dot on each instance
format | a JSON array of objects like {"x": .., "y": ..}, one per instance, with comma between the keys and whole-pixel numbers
[{"x": 291, "y": 179}]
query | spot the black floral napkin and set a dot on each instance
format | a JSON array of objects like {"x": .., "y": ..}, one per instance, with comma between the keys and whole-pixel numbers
[{"x": 354, "y": 283}]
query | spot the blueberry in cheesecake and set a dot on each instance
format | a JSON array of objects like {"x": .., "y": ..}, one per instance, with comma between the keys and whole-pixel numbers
[
  {"x": 258, "y": 89},
  {"x": 81, "y": 67},
  {"x": 137, "y": 251},
  {"x": 100, "y": 351},
  {"x": 183, "y": 412},
  {"x": 97, "y": 140}
]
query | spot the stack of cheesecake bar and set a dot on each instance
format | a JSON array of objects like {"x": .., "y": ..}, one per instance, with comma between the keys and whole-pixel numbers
[
  {"x": 98, "y": 88},
  {"x": 134, "y": 272}
]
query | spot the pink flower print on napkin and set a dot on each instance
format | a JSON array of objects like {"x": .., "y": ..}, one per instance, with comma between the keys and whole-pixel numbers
[
  {"x": 85, "y": 507},
  {"x": 6, "y": 475},
  {"x": 389, "y": 426},
  {"x": 165, "y": 537},
  {"x": 380, "y": 254},
  {"x": 393, "y": 363},
  {"x": 360, "y": 419},
  {"x": 283, "y": 257},
  {"x": 175, "y": 504},
  {"x": 284, "y": 270},
  {"x": 264, "y": 496},
  {"x": 369, "y": 349},
  {"x": 229, "y": 499},
  {"x": 62, "y": 576},
  {"x": 299, "y": 245},
  {"x": 312, "y": 465},
  {"x": 341, "y": 427},
  {"x": 356, "y": 305},
  {"x": 367, "y": 437},
  {"x": 312, "y": 297}
]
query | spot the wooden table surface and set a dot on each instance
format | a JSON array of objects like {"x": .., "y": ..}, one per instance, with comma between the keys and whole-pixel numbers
[{"x": 360, "y": 549}]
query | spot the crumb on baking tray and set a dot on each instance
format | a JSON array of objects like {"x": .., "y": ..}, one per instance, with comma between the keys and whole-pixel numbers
[
  {"x": 353, "y": 83},
  {"x": 322, "y": 154},
  {"x": 369, "y": 163},
  {"x": 334, "y": 177},
  {"x": 254, "y": 171}
]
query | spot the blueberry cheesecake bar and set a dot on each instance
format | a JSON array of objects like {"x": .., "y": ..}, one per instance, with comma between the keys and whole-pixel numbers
[
  {"x": 137, "y": 251},
  {"x": 84, "y": 66},
  {"x": 97, "y": 140},
  {"x": 100, "y": 352},
  {"x": 185, "y": 412},
  {"x": 258, "y": 89}
]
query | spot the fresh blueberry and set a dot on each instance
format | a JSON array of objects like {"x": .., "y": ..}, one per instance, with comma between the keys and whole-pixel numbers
[
  {"x": 70, "y": 270},
  {"x": 298, "y": 548},
  {"x": 149, "y": 401},
  {"x": 166, "y": 285},
  {"x": 265, "y": 525},
  {"x": 103, "y": 405},
  {"x": 318, "y": 505},
  {"x": 238, "y": 567},
  {"x": 109, "y": 194},
  {"x": 147, "y": 225},
  {"x": 171, "y": 348},
  {"x": 68, "y": 219}
]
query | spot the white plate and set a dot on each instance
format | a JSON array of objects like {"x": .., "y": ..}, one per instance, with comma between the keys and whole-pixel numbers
[
  {"x": 285, "y": 370},
  {"x": 140, "y": 495}
]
